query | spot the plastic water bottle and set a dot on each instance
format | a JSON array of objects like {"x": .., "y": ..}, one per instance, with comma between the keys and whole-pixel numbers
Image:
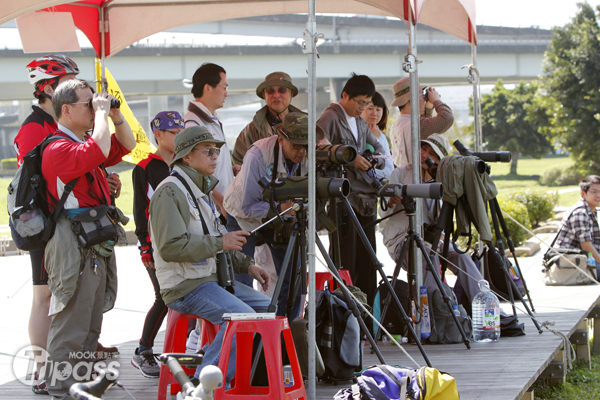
[
  {"x": 455, "y": 310},
  {"x": 486, "y": 315},
  {"x": 591, "y": 261}
]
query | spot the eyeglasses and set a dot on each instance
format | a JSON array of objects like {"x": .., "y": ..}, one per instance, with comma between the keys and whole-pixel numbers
[
  {"x": 594, "y": 192},
  {"x": 299, "y": 147},
  {"x": 211, "y": 151},
  {"x": 171, "y": 132},
  {"x": 87, "y": 103},
  {"x": 224, "y": 86},
  {"x": 273, "y": 89},
  {"x": 362, "y": 103}
]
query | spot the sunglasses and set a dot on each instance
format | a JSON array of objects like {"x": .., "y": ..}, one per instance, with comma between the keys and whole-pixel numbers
[
  {"x": 299, "y": 147},
  {"x": 211, "y": 151},
  {"x": 273, "y": 89}
]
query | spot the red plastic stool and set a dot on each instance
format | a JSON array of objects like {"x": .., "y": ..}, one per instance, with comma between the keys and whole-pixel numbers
[
  {"x": 270, "y": 331},
  {"x": 322, "y": 277},
  {"x": 175, "y": 338}
]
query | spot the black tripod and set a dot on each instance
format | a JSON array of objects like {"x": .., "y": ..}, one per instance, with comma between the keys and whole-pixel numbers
[
  {"x": 379, "y": 267},
  {"x": 413, "y": 239}
]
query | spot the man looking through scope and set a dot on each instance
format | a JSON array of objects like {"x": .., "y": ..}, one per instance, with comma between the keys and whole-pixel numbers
[
  {"x": 436, "y": 147},
  {"x": 342, "y": 124},
  {"x": 272, "y": 158}
]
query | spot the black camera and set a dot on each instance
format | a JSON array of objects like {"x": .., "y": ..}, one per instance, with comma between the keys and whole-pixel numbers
[
  {"x": 225, "y": 273},
  {"x": 296, "y": 187},
  {"x": 114, "y": 103}
]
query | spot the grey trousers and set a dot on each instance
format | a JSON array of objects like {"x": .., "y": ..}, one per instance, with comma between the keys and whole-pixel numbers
[{"x": 74, "y": 331}]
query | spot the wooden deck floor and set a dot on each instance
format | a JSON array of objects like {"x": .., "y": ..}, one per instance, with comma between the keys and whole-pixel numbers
[{"x": 502, "y": 370}]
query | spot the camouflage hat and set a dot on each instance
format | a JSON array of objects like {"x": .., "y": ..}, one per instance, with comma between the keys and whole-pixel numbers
[
  {"x": 276, "y": 79},
  {"x": 295, "y": 128},
  {"x": 190, "y": 137}
]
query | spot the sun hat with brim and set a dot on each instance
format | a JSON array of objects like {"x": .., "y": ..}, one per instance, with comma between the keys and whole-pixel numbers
[
  {"x": 402, "y": 91},
  {"x": 439, "y": 144},
  {"x": 190, "y": 137},
  {"x": 295, "y": 128},
  {"x": 276, "y": 79}
]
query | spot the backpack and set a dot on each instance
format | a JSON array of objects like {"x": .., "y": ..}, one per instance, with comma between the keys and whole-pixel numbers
[
  {"x": 443, "y": 328},
  {"x": 32, "y": 217},
  {"x": 393, "y": 321},
  {"x": 383, "y": 382},
  {"x": 338, "y": 337}
]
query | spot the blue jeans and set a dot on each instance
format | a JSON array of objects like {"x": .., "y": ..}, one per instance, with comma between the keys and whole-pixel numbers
[{"x": 210, "y": 301}]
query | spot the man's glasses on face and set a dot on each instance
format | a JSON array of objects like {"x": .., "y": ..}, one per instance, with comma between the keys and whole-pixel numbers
[
  {"x": 594, "y": 192},
  {"x": 211, "y": 151},
  {"x": 87, "y": 103},
  {"x": 299, "y": 147},
  {"x": 362, "y": 103},
  {"x": 278, "y": 89}
]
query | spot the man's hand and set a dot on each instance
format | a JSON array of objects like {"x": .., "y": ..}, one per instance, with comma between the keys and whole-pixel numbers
[
  {"x": 392, "y": 201},
  {"x": 361, "y": 163},
  {"x": 432, "y": 95},
  {"x": 147, "y": 261},
  {"x": 285, "y": 206},
  {"x": 101, "y": 102},
  {"x": 260, "y": 275},
  {"x": 234, "y": 240},
  {"x": 114, "y": 184},
  {"x": 236, "y": 169}
]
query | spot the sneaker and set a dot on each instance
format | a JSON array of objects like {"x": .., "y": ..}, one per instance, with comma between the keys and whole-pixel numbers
[
  {"x": 146, "y": 363},
  {"x": 39, "y": 386},
  {"x": 192, "y": 341}
]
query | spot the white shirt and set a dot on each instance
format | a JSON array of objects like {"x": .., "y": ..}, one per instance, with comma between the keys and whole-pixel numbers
[{"x": 351, "y": 123}]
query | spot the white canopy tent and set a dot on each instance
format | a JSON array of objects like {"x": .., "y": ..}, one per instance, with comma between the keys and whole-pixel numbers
[{"x": 127, "y": 21}]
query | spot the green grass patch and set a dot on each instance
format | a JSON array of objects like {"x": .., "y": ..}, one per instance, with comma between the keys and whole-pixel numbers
[
  {"x": 531, "y": 166},
  {"x": 582, "y": 384}
]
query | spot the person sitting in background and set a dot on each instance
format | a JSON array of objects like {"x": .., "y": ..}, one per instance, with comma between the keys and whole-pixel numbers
[
  {"x": 147, "y": 175},
  {"x": 579, "y": 228},
  {"x": 376, "y": 115}
]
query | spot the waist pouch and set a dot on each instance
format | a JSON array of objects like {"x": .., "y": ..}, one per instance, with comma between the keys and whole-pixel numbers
[
  {"x": 363, "y": 204},
  {"x": 94, "y": 225}
]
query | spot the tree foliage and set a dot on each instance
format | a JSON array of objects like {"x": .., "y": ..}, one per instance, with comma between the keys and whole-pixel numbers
[
  {"x": 505, "y": 123},
  {"x": 572, "y": 84}
]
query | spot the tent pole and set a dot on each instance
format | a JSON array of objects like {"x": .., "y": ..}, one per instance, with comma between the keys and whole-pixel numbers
[
  {"x": 415, "y": 117},
  {"x": 476, "y": 100},
  {"x": 311, "y": 43},
  {"x": 102, "y": 12}
]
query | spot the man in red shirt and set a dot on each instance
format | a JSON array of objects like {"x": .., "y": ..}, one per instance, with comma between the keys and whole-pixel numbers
[
  {"x": 82, "y": 279},
  {"x": 45, "y": 73}
]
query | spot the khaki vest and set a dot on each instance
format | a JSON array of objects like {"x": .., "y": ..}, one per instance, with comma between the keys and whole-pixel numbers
[{"x": 171, "y": 274}]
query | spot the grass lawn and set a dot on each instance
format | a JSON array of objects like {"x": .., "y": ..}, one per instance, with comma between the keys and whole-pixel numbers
[{"x": 582, "y": 384}]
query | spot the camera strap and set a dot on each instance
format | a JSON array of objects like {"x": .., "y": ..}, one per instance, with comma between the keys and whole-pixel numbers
[{"x": 196, "y": 205}]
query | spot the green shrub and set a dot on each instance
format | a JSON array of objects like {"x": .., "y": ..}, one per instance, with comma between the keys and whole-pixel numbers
[
  {"x": 516, "y": 210},
  {"x": 551, "y": 176},
  {"x": 561, "y": 177},
  {"x": 539, "y": 204}
]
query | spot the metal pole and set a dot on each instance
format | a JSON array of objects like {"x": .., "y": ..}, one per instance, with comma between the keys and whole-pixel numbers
[
  {"x": 103, "y": 24},
  {"x": 476, "y": 99},
  {"x": 311, "y": 27},
  {"x": 415, "y": 118}
]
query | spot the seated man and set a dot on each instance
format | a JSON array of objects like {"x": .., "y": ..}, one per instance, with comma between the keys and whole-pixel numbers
[
  {"x": 186, "y": 234},
  {"x": 579, "y": 228},
  {"x": 277, "y": 156},
  {"x": 396, "y": 228}
]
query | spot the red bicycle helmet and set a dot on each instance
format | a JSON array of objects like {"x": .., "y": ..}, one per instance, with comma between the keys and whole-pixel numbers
[{"x": 47, "y": 70}]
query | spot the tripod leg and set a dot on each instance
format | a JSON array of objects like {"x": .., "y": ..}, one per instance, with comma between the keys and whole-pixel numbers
[
  {"x": 438, "y": 281},
  {"x": 286, "y": 261},
  {"x": 500, "y": 246},
  {"x": 350, "y": 301},
  {"x": 498, "y": 260},
  {"x": 511, "y": 246},
  {"x": 388, "y": 297},
  {"x": 335, "y": 236},
  {"x": 294, "y": 280}
]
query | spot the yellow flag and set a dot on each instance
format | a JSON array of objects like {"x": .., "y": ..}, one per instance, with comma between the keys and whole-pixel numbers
[{"x": 144, "y": 146}]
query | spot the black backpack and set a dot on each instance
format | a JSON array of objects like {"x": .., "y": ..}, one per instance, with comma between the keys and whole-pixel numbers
[
  {"x": 32, "y": 216},
  {"x": 393, "y": 321},
  {"x": 338, "y": 337},
  {"x": 443, "y": 328}
]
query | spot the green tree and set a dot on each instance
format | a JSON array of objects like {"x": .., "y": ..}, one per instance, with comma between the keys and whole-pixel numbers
[
  {"x": 505, "y": 124},
  {"x": 572, "y": 84}
]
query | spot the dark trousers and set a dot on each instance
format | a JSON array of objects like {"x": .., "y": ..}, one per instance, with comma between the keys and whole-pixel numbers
[
  {"x": 155, "y": 316},
  {"x": 354, "y": 255}
]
